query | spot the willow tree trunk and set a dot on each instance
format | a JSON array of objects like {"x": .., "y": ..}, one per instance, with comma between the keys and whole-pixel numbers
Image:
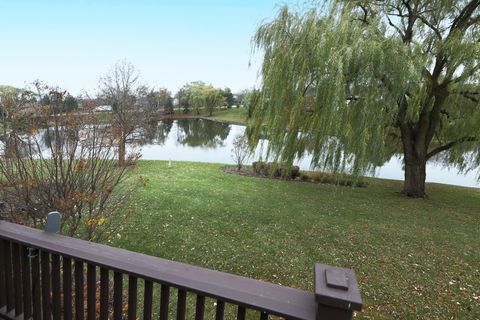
[
  {"x": 415, "y": 159},
  {"x": 415, "y": 175}
]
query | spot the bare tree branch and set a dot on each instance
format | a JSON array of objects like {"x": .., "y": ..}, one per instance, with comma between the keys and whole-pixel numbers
[
  {"x": 450, "y": 145},
  {"x": 461, "y": 22},
  {"x": 431, "y": 26},
  {"x": 395, "y": 27}
]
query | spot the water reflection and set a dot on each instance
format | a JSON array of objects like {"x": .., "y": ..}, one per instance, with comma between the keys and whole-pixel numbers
[
  {"x": 154, "y": 132},
  {"x": 202, "y": 140},
  {"x": 209, "y": 141},
  {"x": 202, "y": 133}
]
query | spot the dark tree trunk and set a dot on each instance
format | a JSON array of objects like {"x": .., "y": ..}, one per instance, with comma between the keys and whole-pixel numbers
[
  {"x": 414, "y": 184},
  {"x": 121, "y": 152},
  {"x": 415, "y": 158}
]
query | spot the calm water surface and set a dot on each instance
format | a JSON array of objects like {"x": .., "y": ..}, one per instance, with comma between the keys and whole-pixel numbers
[{"x": 210, "y": 141}]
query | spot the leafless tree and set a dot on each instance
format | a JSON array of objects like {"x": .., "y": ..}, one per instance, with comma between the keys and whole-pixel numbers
[
  {"x": 121, "y": 89},
  {"x": 240, "y": 150}
]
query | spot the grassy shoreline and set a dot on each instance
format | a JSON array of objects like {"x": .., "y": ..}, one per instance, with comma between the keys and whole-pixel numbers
[
  {"x": 233, "y": 115},
  {"x": 413, "y": 258}
]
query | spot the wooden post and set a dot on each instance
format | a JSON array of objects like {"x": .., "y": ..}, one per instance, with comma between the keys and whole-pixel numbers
[{"x": 336, "y": 293}]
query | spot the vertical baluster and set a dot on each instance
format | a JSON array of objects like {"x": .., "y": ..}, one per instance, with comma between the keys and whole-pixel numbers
[
  {"x": 9, "y": 276},
  {"x": 104, "y": 284},
  {"x": 27, "y": 287},
  {"x": 3, "y": 283},
  {"x": 79, "y": 302},
  {"x": 147, "y": 300},
  {"x": 263, "y": 316},
  {"x": 17, "y": 278},
  {"x": 181, "y": 304},
  {"x": 91, "y": 292},
  {"x": 46, "y": 281},
  {"x": 67, "y": 289},
  {"x": 132, "y": 298},
  {"x": 117, "y": 295},
  {"x": 56, "y": 297},
  {"x": 241, "y": 313},
  {"x": 36, "y": 285},
  {"x": 219, "y": 314},
  {"x": 200, "y": 307},
  {"x": 164, "y": 302}
]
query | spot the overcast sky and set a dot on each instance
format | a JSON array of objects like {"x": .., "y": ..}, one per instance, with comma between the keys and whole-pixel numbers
[{"x": 72, "y": 43}]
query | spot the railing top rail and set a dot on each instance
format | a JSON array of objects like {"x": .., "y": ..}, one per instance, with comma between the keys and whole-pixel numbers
[{"x": 278, "y": 300}]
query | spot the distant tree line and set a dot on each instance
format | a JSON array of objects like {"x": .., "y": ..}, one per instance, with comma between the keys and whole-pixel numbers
[
  {"x": 129, "y": 102},
  {"x": 69, "y": 153},
  {"x": 198, "y": 97}
]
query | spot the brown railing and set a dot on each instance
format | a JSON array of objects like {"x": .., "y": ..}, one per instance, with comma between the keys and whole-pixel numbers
[{"x": 49, "y": 276}]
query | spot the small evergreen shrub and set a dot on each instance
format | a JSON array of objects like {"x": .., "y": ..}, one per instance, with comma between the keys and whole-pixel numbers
[
  {"x": 338, "y": 179},
  {"x": 304, "y": 177},
  {"x": 275, "y": 170}
]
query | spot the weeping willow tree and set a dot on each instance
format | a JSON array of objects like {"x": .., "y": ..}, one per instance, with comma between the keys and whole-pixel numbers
[{"x": 355, "y": 82}]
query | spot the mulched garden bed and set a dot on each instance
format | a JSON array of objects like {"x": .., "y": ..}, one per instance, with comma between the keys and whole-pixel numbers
[{"x": 310, "y": 177}]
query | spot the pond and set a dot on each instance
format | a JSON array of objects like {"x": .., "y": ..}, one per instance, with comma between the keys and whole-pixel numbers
[{"x": 211, "y": 141}]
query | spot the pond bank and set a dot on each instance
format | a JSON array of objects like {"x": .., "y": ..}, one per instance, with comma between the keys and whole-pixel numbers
[{"x": 233, "y": 116}]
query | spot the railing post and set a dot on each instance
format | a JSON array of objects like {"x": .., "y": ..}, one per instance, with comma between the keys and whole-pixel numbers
[{"x": 336, "y": 293}]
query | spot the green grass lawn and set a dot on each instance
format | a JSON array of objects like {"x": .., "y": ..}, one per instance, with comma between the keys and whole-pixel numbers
[
  {"x": 233, "y": 115},
  {"x": 414, "y": 258}
]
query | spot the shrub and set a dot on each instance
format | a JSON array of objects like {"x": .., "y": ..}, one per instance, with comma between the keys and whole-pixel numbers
[
  {"x": 240, "y": 151},
  {"x": 304, "y": 177},
  {"x": 322, "y": 177},
  {"x": 341, "y": 179},
  {"x": 259, "y": 167},
  {"x": 275, "y": 170},
  {"x": 64, "y": 163},
  {"x": 294, "y": 172}
]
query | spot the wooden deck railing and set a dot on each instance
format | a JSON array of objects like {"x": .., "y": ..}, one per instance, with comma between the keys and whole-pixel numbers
[{"x": 49, "y": 276}]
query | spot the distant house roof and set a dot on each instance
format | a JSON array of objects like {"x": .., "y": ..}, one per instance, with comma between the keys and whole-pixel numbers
[{"x": 104, "y": 108}]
